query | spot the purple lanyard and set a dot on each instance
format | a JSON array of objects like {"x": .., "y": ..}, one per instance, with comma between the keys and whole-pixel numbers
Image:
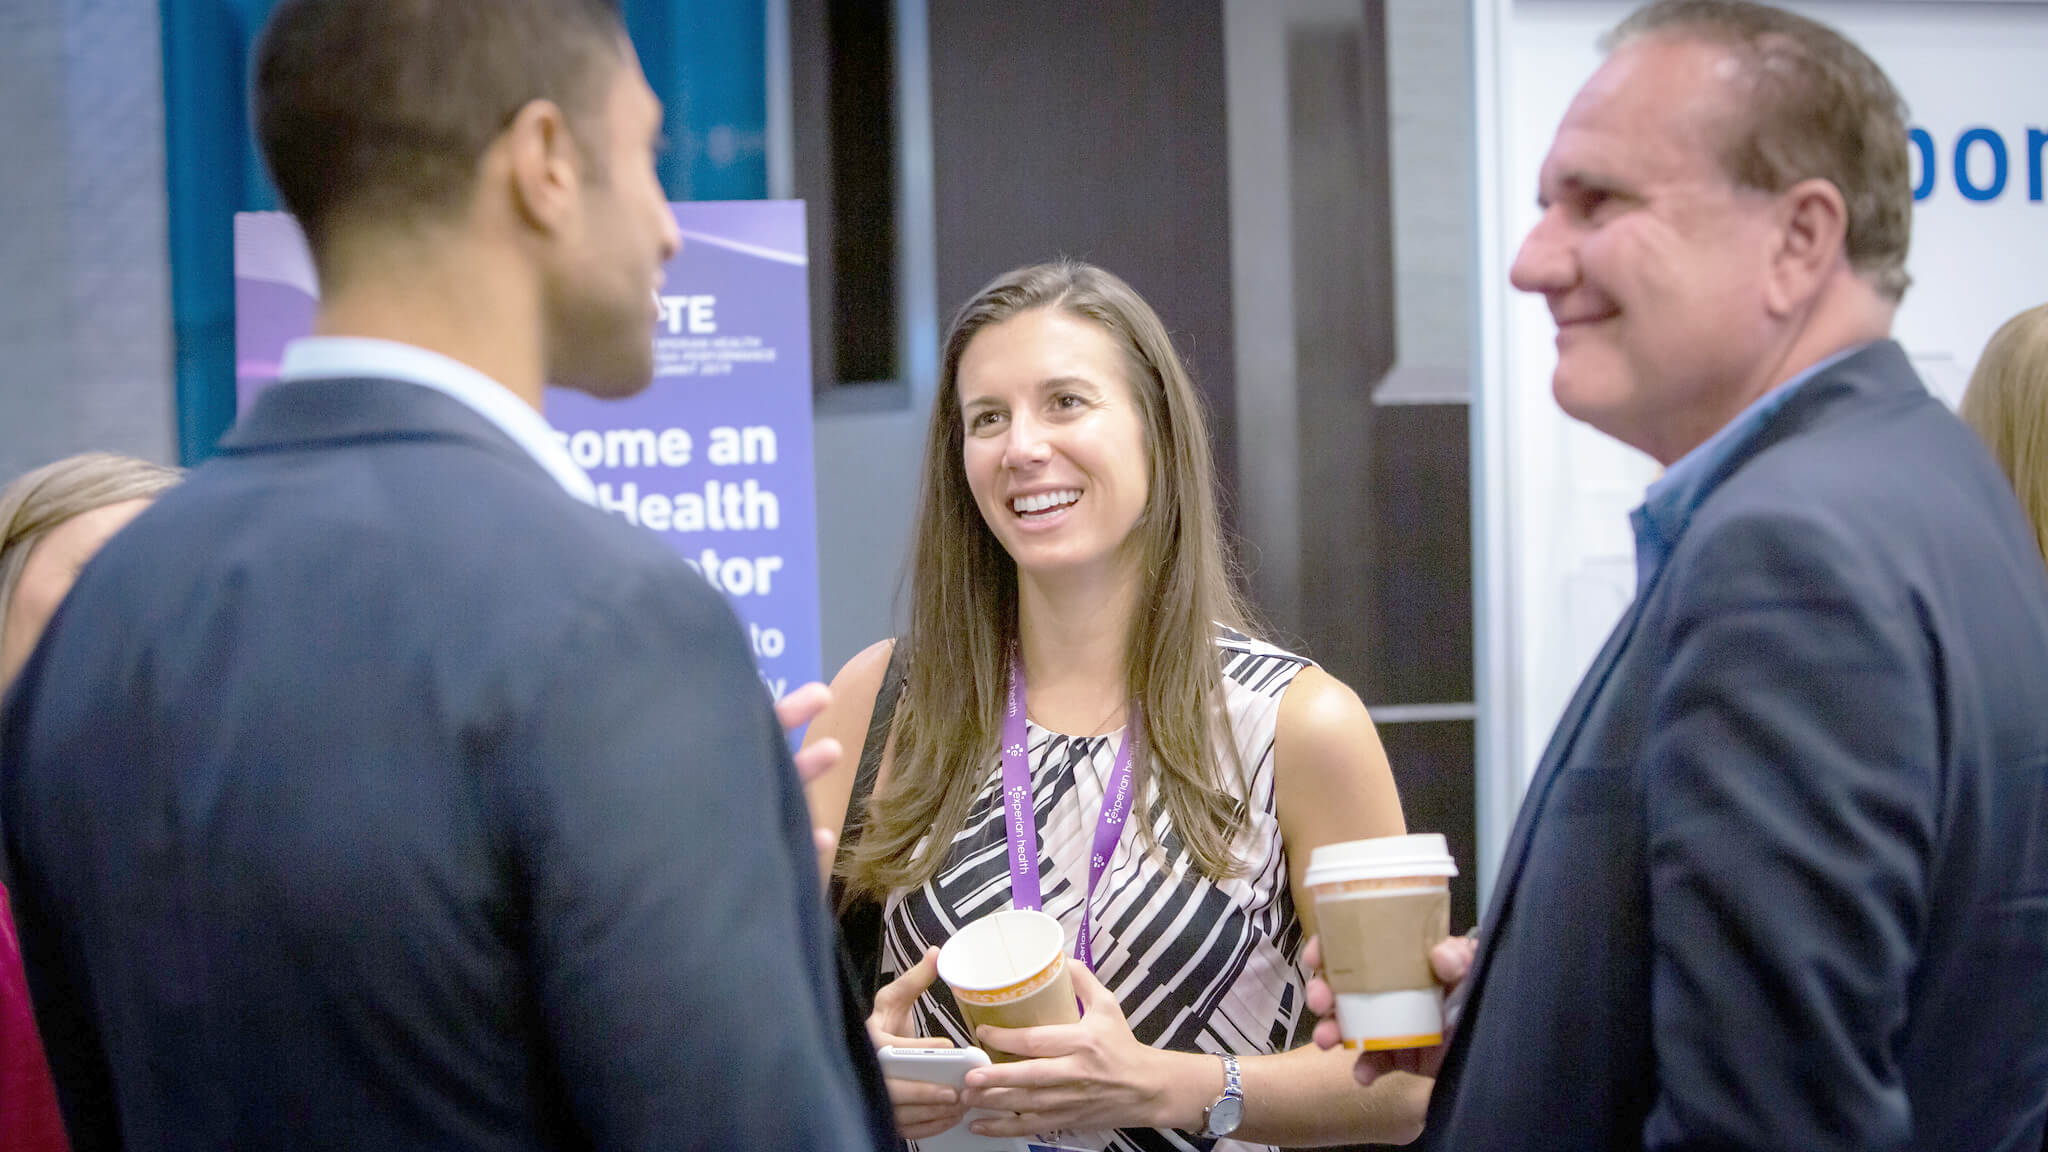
[{"x": 1021, "y": 818}]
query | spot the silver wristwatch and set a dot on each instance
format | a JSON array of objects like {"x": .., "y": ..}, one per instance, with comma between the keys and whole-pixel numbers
[{"x": 1223, "y": 1117}]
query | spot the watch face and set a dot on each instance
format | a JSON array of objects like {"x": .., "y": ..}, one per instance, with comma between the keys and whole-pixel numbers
[{"x": 1224, "y": 1116}]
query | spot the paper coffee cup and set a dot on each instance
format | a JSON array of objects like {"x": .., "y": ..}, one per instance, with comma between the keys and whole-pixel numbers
[
  {"x": 1009, "y": 969},
  {"x": 1381, "y": 905}
]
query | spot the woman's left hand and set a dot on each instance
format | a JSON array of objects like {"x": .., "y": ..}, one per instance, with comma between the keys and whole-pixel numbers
[{"x": 1084, "y": 1077}]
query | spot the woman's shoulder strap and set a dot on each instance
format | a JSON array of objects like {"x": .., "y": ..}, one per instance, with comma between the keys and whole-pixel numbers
[{"x": 886, "y": 696}]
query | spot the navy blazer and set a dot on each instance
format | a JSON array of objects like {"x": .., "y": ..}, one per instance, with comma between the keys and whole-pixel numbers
[
  {"x": 1781, "y": 878},
  {"x": 371, "y": 792}
]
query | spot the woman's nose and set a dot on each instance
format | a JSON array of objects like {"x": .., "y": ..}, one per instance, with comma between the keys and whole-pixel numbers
[{"x": 1027, "y": 443}]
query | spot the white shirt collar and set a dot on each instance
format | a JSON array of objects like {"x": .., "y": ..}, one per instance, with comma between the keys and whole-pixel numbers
[{"x": 338, "y": 357}]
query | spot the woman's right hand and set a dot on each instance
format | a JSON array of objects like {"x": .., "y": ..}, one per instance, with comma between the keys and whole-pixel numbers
[{"x": 922, "y": 1109}]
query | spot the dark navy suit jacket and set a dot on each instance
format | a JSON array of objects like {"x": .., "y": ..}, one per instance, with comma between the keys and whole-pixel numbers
[
  {"x": 371, "y": 792},
  {"x": 1781, "y": 878}
]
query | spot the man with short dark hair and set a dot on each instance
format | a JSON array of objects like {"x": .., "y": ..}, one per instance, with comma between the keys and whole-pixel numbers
[
  {"x": 378, "y": 791},
  {"x": 1778, "y": 881}
]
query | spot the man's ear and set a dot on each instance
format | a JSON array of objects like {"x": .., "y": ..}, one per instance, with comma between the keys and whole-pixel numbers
[
  {"x": 1813, "y": 231},
  {"x": 543, "y": 166}
]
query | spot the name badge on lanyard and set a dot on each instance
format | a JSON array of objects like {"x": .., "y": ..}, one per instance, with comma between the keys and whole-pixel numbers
[{"x": 1025, "y": 890}]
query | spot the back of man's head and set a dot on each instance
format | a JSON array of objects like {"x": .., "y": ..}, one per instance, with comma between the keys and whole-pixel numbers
[
  {"x": 375, "y": 113},
  {"x": 1817, "y": 108}
]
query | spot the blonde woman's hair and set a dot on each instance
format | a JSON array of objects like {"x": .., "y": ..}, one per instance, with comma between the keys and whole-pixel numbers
[
  {"x": 963, "y": 605},
  {"x": 39, "y": 501},
  {"x": 2007, "y": 403}
]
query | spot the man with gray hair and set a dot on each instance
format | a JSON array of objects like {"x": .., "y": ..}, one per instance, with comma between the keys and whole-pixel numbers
[{"x": 1781, "y": 878}]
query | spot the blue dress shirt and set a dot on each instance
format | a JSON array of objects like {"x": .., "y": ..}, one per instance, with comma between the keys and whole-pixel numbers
[{"x": 1672, "y": 498}]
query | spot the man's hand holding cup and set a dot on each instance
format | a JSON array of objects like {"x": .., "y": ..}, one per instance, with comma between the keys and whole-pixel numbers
[
  {"x": 1384, "y": 955},
  {"x": 1451, "y": 959}
]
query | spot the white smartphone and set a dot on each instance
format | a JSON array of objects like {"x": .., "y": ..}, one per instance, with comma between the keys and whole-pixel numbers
[{"x": 948, "y": 1066}]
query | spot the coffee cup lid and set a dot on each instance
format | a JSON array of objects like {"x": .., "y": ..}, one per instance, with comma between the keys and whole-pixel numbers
[{"x": 1381, "y": 858}]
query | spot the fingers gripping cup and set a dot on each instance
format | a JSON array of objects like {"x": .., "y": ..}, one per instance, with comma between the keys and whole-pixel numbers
[
  {"x": 1009, "y": 969},
  {"x": 1381, "y": 905}
]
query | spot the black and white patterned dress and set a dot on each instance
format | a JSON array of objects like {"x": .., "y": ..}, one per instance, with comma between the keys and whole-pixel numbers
[{"x": 1197, "y": 965}]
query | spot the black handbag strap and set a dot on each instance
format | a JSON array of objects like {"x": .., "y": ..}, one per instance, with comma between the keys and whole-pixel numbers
[{"x": 879, "y": 723}]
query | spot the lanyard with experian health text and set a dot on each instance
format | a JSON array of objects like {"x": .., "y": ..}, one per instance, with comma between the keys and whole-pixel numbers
[{"x": 1020, "y": 815}]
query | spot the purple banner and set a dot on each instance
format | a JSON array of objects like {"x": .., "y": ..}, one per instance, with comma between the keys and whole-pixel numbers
[{"x": 715, "y": 457}]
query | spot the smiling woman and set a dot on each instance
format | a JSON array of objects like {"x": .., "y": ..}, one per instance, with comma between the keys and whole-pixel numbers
[
  {"x": 1055, "y": 445},
  {"x": 1075, "y": 638}
]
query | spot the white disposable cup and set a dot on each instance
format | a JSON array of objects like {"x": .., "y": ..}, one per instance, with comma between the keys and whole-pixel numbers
[
  {"x": 1381, "y": 905},
  {"x": 1009, "y": 969}
]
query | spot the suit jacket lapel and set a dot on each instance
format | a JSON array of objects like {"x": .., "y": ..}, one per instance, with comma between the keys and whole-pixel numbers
[
  {"x": 1554, "y": 756},
  {"x": 1559, "y": 750}
]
